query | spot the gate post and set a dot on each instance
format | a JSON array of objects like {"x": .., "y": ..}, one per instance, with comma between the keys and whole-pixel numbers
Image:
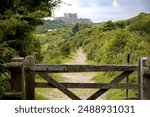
[
  {"x": 16, "y": 75},
  {"x": 15, "y": 67},
  {"x": 29, "y": 79},
  {"x": 144, "y": 78}
]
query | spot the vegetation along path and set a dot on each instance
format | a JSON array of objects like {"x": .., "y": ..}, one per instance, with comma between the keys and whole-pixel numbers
[{"x": 78, "y": 58}]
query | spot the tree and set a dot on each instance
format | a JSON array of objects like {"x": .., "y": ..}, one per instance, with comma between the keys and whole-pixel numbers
[
  {"x": 75, "y": 29},
  {"x": 18, "y": 18},
  {"x": 142, "y": 25},
  {"x": 108, "y": 26}
]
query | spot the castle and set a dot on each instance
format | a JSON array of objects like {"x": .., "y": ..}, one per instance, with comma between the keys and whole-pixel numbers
[{"x": 72, "y": 18}]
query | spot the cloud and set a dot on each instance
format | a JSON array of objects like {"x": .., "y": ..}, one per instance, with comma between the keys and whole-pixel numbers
[
  {"x": 85, "y": 3},
  {"x": 133, "y": 2},
  {"x": 115, "y": 3},
  {"x": 138, "y": 5},
  {"x": 103, "y": 10}
]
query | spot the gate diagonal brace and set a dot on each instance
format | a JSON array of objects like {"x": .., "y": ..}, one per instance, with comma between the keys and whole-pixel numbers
[
  {"x": 116, "y": 80},
  {"x": 59, "y": 86}
]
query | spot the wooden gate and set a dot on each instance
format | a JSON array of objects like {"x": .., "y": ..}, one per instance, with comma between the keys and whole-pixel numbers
[{"x": 23, "y": 78}]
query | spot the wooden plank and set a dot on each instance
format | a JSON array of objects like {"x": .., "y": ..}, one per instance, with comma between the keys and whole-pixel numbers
[
  {"x": 145, "y": 78},
  {"x": 13, "y": 66},
  {"x": 16, "y": 67},
  {"x": 23, "y": 80},
  {"x": 13, "y": 94},
  {"x": 146, "y": 70},
  {"x": 116, "y": 80},
  {"x": 147, "y": 75},
  {"x": 16, "y": 76},
  {"x": 89, "y": 85},
  {"x": 59, "y": 86},
  {"x": 142, "y": 64},
  {"x": 80, "y": 68},
  {"x": 146, "y": 86},
  {"x": 29, "y": 79},
  {"x": 139, "y": 79}
]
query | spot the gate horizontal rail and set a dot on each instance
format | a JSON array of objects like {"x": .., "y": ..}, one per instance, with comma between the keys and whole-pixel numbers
[
  {"x": 71, "y": 68},
  {"x": 80, "y": 68},
  {"x": 89, "y": 85}
]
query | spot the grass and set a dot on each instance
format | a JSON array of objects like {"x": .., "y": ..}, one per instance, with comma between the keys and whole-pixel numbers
[
  {"x": 38, "y": 96},
  {"x": 41, "y": 93},
  {"x": 115, "y": 94},
  {"x": 90, "y": 62},
  {"x": 66, "y": 59}
]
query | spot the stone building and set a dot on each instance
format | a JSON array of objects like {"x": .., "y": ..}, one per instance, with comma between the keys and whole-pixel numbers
[{"x": 72, "y": 18}]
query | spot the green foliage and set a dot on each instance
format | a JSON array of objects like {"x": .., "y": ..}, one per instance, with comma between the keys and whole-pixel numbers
[
  {"x": 120, "y": 24},
  {"x": 53, "y": 46},
  {"x": 4, "y": 83},
  {"x": 28, "y": 6},
  {"x": 59, "y": 43},
  {"x": 38, "y": 96},
  {"x": 108, "y": 26},
  {"x": 141, "y": 25},
  {"x": 78, "y": 27},
  {"x": 50, "y": 25},
  {"x": 65, "y": 48},
  {"x": 18, "y": 19},
  {"x": 75, "y": 29}
]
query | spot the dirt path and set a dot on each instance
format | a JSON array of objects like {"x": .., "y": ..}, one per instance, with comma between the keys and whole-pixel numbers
[{"x": 79, "y": 58}]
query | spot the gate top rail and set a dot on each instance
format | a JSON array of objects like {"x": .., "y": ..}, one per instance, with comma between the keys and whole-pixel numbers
[
  {"x": 80, "y": 68},
  {"x": 13, "y": 66},
  {"x": 17, "y": 66}
]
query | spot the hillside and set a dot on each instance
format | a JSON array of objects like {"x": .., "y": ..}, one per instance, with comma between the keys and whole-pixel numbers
[
  {"x": 50, "y": 24},
  {"x": 104, "y": 43}
]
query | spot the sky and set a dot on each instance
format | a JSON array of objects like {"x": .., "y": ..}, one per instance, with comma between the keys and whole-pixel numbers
[{"x": 103, "y": 10}]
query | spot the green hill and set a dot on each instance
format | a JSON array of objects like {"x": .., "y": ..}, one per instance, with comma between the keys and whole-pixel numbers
[
  {"x": 104, "y": 43},
  {"x": 50, "y": 24}
]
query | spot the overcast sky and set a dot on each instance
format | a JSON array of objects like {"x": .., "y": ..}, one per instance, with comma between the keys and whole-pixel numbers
[{"x": 104, "y": 10}]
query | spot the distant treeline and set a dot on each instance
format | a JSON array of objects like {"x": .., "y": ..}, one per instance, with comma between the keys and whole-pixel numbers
[{"x": 50, "y": 24}]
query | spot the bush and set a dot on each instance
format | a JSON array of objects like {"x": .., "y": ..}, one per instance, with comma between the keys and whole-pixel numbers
[
  {"x": 142, "y": 25},
  {"x": 4, "y": 83}
]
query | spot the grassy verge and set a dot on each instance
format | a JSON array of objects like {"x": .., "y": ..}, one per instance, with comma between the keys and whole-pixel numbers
[
  {"x": 69, "y": 57},
  {"x": 38, "y": 96},
  {"x": 115, "y": 94},
  {"x": 42, "y": 93}
]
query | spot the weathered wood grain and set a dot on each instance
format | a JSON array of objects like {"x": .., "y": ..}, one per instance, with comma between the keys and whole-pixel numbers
[
  {"x": 29, "y": 79},
  {"x": 89, "y": 85},
  {"x": 80, "y": 68}
]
